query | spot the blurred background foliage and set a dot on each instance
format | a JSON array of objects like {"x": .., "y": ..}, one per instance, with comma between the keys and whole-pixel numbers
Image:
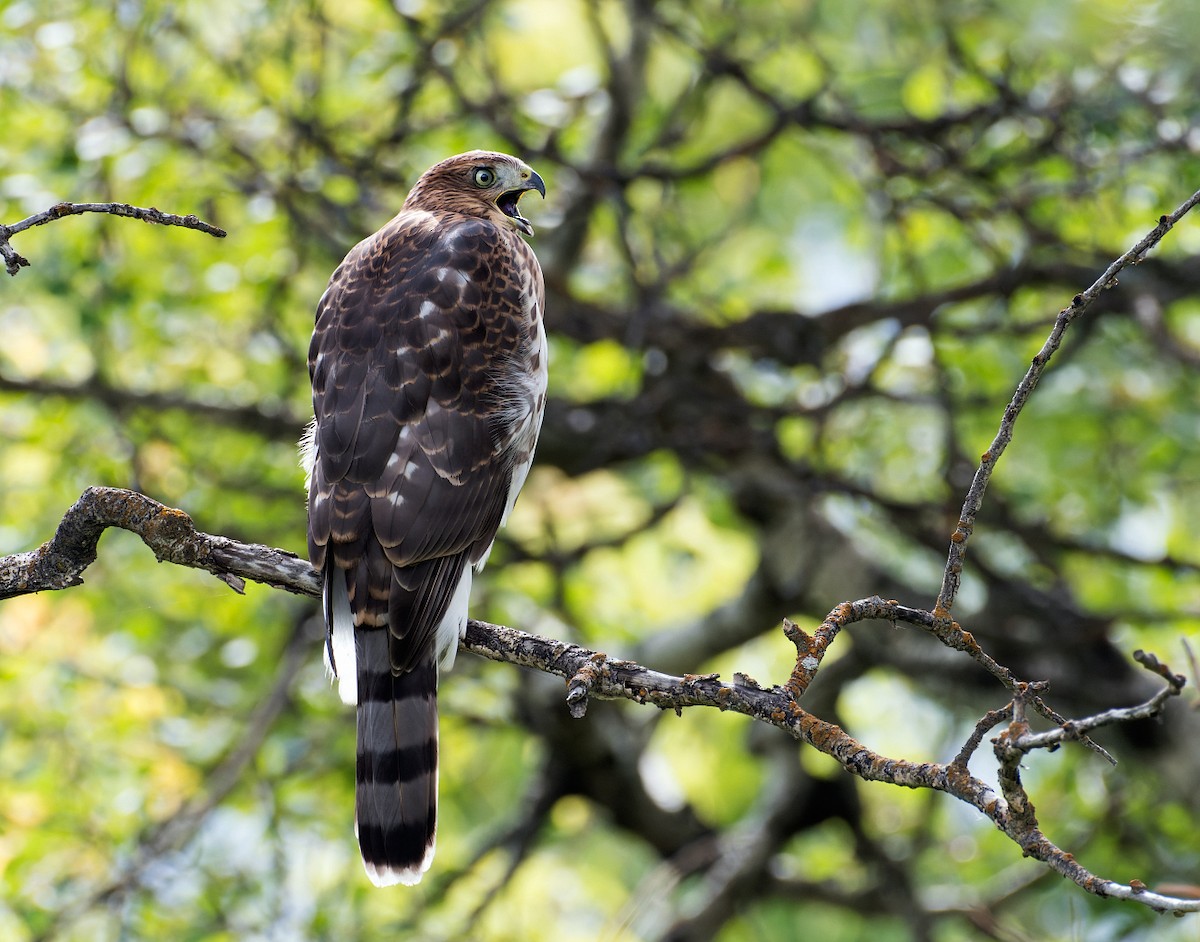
[{"x": 798, "y": 255}]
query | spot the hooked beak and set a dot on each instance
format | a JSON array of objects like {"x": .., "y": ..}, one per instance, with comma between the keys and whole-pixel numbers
[
  {"x": 535, "y": 183},
  {"x": 508, "y": 201}
]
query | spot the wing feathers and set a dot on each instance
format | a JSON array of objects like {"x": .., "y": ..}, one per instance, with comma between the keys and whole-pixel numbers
[
  {"x": 425, "y": 338},
  {"x": 419, "y": 599}
]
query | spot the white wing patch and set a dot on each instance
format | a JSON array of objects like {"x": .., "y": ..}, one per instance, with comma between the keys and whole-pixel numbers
[
  {"x": 344, "y": 668},
  {"x": 453, "y": 625}
]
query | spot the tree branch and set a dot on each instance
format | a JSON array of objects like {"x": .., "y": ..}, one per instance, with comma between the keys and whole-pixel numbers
[
  {"x": 951, "y": 578},
  {"x": 171, "y": 535},
  {"x": 14, "y": 262},
  {"x": 60, "y": 562}
]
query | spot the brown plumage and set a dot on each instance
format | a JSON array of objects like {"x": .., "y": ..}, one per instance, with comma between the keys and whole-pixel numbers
[{"x": 428, "y": 366}]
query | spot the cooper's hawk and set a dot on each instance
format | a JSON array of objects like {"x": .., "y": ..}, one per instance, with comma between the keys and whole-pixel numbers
[{"x": 428, "y": 366}]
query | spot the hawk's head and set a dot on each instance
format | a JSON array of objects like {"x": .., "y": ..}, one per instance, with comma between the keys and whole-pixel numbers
[{"x": 478, "y": 183}]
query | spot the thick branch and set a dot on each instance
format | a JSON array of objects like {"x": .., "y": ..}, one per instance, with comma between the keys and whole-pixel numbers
[
  {"x": 170, "y": 533},
  {"x": 14, "y": 262}
]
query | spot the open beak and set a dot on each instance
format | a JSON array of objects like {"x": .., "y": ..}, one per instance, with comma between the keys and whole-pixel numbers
[{"x": 508, "y": 201}]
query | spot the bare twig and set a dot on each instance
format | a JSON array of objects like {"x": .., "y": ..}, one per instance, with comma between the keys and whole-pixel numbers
[
  {"x": 952, "y": 576},
  {"x": 1074, "y": 729},
  {"x": 1021, "y": 826},
  {"x": 14, "y": 262},
  {"x": 987, "y": 722},
  {"x": 811, "y": 649}
]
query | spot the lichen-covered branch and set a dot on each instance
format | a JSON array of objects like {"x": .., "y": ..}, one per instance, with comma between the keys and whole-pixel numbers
[
  {"x": 60, "y": 562},
  {"x": 172, "y": 537},
  {"x": 14, "y": 262}
]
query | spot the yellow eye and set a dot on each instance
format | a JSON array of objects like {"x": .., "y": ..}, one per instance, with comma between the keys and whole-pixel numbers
[{"x": 484, "y": 177}]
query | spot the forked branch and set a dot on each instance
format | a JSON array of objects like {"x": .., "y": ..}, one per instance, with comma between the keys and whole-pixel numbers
[{"x": 171, "y": 535}]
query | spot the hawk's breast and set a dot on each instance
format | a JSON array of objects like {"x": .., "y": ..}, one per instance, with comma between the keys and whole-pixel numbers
[{"x": 523, "y": 391}]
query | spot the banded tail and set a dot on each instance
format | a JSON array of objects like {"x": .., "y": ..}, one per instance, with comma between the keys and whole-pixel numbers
[
  {"x": 396, "y": 782},
  {"x": 395, "y": 813}
]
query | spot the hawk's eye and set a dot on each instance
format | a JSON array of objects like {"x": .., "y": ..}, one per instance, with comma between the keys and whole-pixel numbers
[{"x": 484, "y": 177}]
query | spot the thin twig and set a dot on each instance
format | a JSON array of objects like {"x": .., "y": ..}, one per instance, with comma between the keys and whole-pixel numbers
[
  {"x": 14, "y": 262},
  {"x": 952, "y": 576},
  {"x": 987, "y": 722},
  {"x": 1074, "y": 729}
]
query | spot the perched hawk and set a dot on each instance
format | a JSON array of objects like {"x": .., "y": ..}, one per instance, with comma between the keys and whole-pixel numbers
[{"x": 428, "y": 366}]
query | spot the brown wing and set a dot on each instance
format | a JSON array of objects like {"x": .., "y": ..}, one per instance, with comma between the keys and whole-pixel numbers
[{"x": 410, "y": 478}]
